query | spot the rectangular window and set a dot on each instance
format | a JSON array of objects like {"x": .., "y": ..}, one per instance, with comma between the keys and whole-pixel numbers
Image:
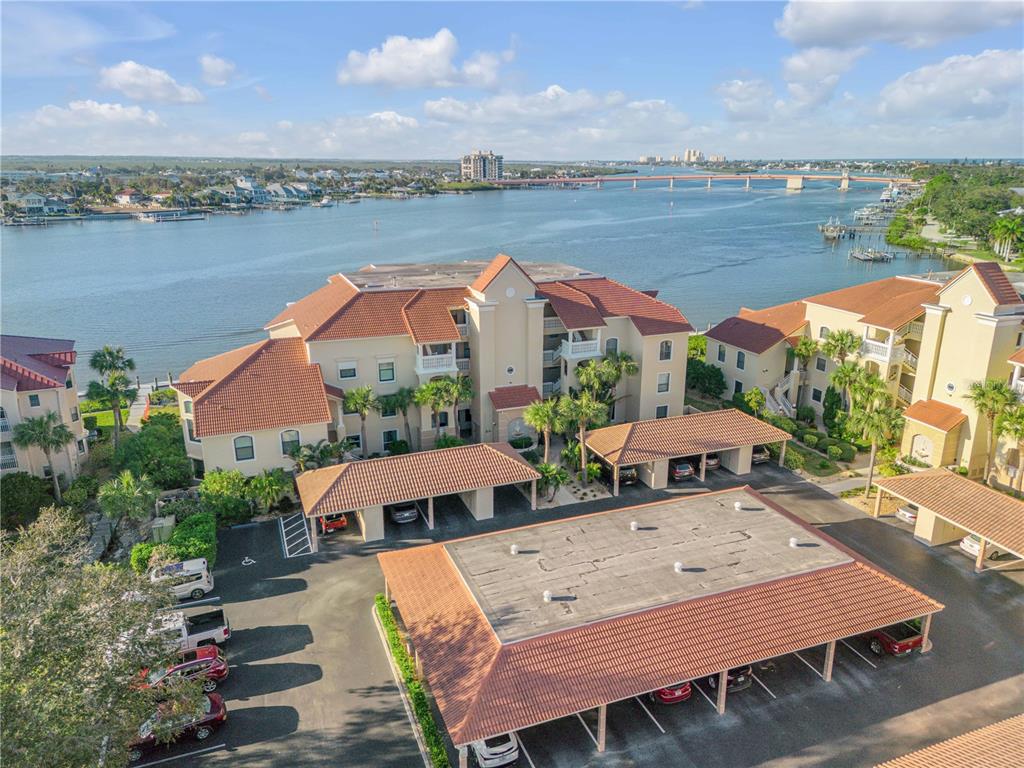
[
  {"x": 611, "y": 346},
  {"x": 462, "y": 350},
  {"x": 823, "y": 332},
  {"x": 661, "y": 412},
  {"x": 290, "y": 441},
  {"x": 191, "y": 431},
  {"x": 389, "y": 436},
  {"x": 388, "y": 412},
  {"x": 737, "y": 387},
  {"x": 741, "y": 360},
  {"x": 665, "y": 350},
  {"x": 816, "y": 395},
  {"x": 444, "y": 419},
  {"x": 721, "y": 353},
  {"x": 47, "y": 472},
  {"x": 187, "y": 405},
  {"x": 81, "y": 446},
  {"x": 356, "y": 441},
  {"x": 33, "y": 400},
  {"x": 386, "y": 371},
  {"x": 1020, "y": 339},
  {"x": 69, "y": 383},
  {"x": 663, "y": 381},
  {"x": 74, "y": 414},
  {"x": 347, "y": 371},
  {"x": 819, "y": 363}
]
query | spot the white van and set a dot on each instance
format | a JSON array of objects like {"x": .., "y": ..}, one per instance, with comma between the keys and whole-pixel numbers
[
  {"x": 191, "y": 578},
  {"x": 496, "y": 751}
]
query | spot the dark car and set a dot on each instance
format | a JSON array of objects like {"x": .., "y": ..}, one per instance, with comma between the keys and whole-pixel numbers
[
  {"x": 680, "y": 469},
  {"x": 672, "y": 694},
  {"x": 199, "y": 726},
  {"x": 405, "y": 512},
  {"x": 739, "y": 678},
  {"x": 336, "y": 522},
  {"x": 205, "y": 663},
  {"x": 627, "y": 475},
  {"x": 897, "y": 640},
  {"x": 760, "y": 455}
]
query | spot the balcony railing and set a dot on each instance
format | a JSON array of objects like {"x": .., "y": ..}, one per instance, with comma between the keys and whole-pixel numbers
[
  {"x": 904, "y": 394},
  {"x": 910, "y": 359},
  {"x": 8, "y": 461},
  {"x": 462, "y": 363},
  {"x": 551, "y": 356},
  {"x": 554, "y": 324},
  {"x": 551, "y": 388},
  {"x": 5, "y": 425},
  {"x": 581, "y": 349},
  {"x": 436, "y": 363},
  {"x": 881, "y": 351},
  {"x": 913, "y": 330},
  {"x": 463, "y": 329},
  {"x": 1018, "y": 387}
]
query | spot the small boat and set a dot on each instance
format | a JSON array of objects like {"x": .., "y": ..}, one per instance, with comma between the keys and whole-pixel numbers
[
  {"x": 162, "y": 217},
  {"x": 350, "y": 200},
  {"x": 834, "y": 229},
  {"x": 869, "y": 254},
  {"x": 324, "y": 202}
]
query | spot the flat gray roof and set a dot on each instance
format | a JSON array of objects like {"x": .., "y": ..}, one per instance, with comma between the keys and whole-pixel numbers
[
  {"x": 597, "y": 568},
  {"x": 462, "y": 273}
]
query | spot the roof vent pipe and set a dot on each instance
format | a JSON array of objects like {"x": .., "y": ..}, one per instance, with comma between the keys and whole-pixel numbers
[
  {"x": 547, "y": 595},
  {"x": 634, "y": 526},
  {"x": 514, "y": 549},
  {"x": 738, "y": 506},
  {"x": 794, "y": 542},
  {"x": 678, "y": 567}
]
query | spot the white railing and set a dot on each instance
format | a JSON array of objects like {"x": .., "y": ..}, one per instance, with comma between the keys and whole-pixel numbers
[
  {"x": 553, "y": 324},
  {"x": 914, "y": 329},
  {"x": 462, "y": 363},
  {"x": 588, "y": 348},
  {"x": 1018, "y": 387},
  {"x": 551, "y": 356},
  {"x": 910, "y": 359},
  {"x": 463, "y": 329},
  {"x": 432, "y": 363},
  {"x": 876, "y": 349},
  {"x": 904, "y": 394},
  {"x": 5, "y": 425},
  {"x": 8, "y": 461},
  {"x": 552, "y": 387}
]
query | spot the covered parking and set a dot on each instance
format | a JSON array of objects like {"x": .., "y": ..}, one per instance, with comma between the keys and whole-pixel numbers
[
  {"x": 650, "y": 445},
  {"x": 365, "y": 487},
  {"x": 951, "y": 506},
  {"x": 564, "y": 619}
]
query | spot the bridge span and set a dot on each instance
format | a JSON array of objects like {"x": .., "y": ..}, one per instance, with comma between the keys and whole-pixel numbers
[{"x": 794, "y": 182}]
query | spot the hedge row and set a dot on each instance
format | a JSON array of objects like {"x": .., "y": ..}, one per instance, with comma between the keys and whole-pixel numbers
[
  {"x": 407, "y": 668},
  {"x": 193, "y": 537},
  {"x": 822, "y": 442}
]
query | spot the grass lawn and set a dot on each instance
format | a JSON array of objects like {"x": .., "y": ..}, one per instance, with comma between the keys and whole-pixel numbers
[
  {"x": 812, "y": 460},
  {"x": 163, "y": 409},
  {"x": 106, "y": 418}
]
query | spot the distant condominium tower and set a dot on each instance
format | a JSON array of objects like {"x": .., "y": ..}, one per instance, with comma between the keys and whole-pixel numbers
[
  {"x": 482, "y": 166},
  {"x": 717, "y": 159},
  {"x": 693, "y": 156}
]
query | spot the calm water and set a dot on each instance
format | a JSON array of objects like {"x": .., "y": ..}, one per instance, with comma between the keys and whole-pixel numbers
[{"x": 175, "y": 293}]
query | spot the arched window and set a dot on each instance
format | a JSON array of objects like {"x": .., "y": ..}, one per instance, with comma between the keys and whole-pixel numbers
[
  {"x": 823, "y": 332},
  {"x": 665, "y": 352},
  {"x": 289, "y": 441},
  {"x": 243, "y": 448},
  {"x": 187, "y": 405},
  {"x": 611, "y": 346}
]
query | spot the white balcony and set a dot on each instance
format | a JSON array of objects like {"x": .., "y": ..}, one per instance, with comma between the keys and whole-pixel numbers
[
  {"x": 436, "y": 364},
  {"x": 909, "y": 359},
  {"x": 552, "y": 388},
  {"x": 581, "y": 350},
  {"x": 463, "y": 329},
  {"x": 462, "y": 363},
  {"x": 1018, "y": 387},
  {"x": 904, "y": 394},
  {"x": 551, "y": 356},
  {"x": 553, "y": 325},
  {"x": 912, "y": 330},
  {"x": 881, "y": 351}
]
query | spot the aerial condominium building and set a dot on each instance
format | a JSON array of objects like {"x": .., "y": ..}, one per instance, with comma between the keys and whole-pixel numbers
[
  {"x": 36, "y": 377},
  {"x": 482, "y": 166},
  {"x": 518, "y": 331},
  {"x": 928, "y": 337}
]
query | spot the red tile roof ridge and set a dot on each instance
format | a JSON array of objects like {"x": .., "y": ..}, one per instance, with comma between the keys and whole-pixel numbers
[
  {"x": 996, "y": 282},
  {"x": 341, "y": 308},
  {"x": 493, "y": 269},
  {"x": 27, "y": 373},
  {"x": 256, "y": 348}
]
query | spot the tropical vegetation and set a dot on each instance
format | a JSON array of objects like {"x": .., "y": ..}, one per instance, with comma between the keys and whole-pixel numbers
[
  {"x": 992, "y": 399},
  {"x": 48, "y": 434}
]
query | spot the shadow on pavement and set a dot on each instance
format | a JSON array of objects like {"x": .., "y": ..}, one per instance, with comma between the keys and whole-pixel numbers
[
  {"x": 257, "y": 724},
  {"x": 248, "y": 645},
  {"x": 248, "y": 680},
  {"x": 263, "y": 588}
]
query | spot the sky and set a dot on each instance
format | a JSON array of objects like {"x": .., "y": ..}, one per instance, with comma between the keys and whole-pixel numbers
[{"x": 531, "y": 81}]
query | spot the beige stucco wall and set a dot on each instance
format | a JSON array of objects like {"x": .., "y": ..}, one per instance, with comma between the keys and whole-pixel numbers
[
  {"x": 933, "y": 530},
  {"x": 737, "y": 460},
  {"x": 63, "y": 401},
  {"x": 644, "y": 398},
  {"x": 371, "y": 523},
  {"x": 654, "y": 474},
  {"x": 945, "y": 445},
  {"x": 759, "y": 370},
  {"x": 219, "y": 450},
  {"x": 480, "y": 503}
]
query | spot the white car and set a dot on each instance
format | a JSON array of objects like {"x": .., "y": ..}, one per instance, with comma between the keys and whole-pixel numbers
[
  {"x": 497, "y": 750},
  {"x": 971, "y": 544},
  {"x": 907, "y": 513}
]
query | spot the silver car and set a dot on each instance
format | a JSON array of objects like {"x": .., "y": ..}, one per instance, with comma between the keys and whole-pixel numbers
[{"x": 405, "y": 512}]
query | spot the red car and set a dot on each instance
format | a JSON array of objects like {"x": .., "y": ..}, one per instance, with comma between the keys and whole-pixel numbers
[
  {"x": 206, "y": 663},
  {"x": 673, "y": 694},
  {"x": 897, "y": 640},
  {"x": 200, "y": 726},
  {"x": 335, "y": 522}
]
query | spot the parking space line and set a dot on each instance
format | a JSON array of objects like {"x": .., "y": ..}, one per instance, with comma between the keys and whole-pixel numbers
[
  {"x": 706, "y": 697},
  {"x": 586, "y": 727},
  {"x": 522, "y": 746},
  {"x": 182, "y": 757},
  {"x": 865, "y": 658},
  {"x": 295, "y": 539},
  {"x": 645, "y": 709},
  {"x": 810, "y": 666},
  {"x": 758, "y": 681}
]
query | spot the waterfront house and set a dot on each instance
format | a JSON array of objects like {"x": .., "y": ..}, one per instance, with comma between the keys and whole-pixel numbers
[
  {"x": 251, "y": 191},
  {"x": 128, "y": 197},
  {"x": 37, "y": 376},
  {"x": 928, "y": 337},
  {"x": 518, "y": 331}
]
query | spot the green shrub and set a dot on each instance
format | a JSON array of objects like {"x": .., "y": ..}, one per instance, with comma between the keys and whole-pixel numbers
[
  {"x": 81, "y": 490},
  {"x": 849, "y": 453},
  {"x": 181, "y": 509},
  {"x": 891, "y": 469},
  {"x": 831, "y": 406},
  {"x": 809, "y": 439},
  {"x": 521, "y": 442},
  {"x": 834, "y": 452},
  {"x": 805, "y": 413},
  {"x": 226, "y": 495},
  {"x": 794, "y": 460},
  {"x": 571, "y": 455},
  {"x": 593, "y": 470},
  {"x": 163, "y": 397},
  {"x": 824, "y": 464},
  {"x": 739, "y": 401},
  {"x": 707, "y": 379},
  {"x": 532, "y": 456},
  {"x": 140, "y": 555},
  {"x": 21, "y": 496},
  {"x": 782, "y": 422},
  {"x": 101, "y": 456},
  {"x": 697, "y": 346},
  {"x": 449, "y": 441},
  {"x": 826, "y": 442},
  {"x": 962, "y": 471},
  {"x": 158, "y": 451},
  {"x": 89, "y": 422},
  {"x": 398, "y": 447},
  {"x": 195, "y": 536},
  {"x": 94, "y": 406}
]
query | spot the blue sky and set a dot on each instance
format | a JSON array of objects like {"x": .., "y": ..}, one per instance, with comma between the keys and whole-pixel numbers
[{"x": 533, "y": 81}]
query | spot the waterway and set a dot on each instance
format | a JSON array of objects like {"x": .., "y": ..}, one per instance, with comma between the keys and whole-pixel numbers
[{"x": 177, "y": 292}]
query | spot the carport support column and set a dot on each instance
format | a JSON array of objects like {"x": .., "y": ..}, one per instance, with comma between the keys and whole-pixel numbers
[
  {"x": 463, "y": 757},
  {"x": 877, "y": 511},
  {"x": 602, "y": 726},
  {"x": 926, "y": 628},
  {"x": 723, "y": 684},
  {"x": 430, "y": 512},
  {"x": 615, "y": 480},
  {"x": 533, "y": 495},
  {"x": 830, "y": 656},
  {"x": 703, "y": 472},
  {"x": 979, "y": 561},
  {"x": 782, "y": 454},
  {"x": 314, "y": 540}
]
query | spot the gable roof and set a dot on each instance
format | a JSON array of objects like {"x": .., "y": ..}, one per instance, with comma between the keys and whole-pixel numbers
[
  {"x": 516, "y": 396},
  {"x": 33, "y": 362},
  {"x": 585, "y": 302},
  {"x": 888, "y": 303},
  {"x": 695, "y": 433},
  {"x": 999, "y": 745},
  {"x": 1017, "y": 357},
  {"x": 996, "y": 282},
  {"x": 498, "y": 263},
  {"x": 411, "y": 476},
  {"x": 757, "y": 331},
  {"x": 265, "y": 385},
  {"x": 574, "y": 308},
  {"x": 935, "y": 413}
]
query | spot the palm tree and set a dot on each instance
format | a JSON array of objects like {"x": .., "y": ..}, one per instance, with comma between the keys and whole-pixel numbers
[
  {"x": 460, "y": 391},
  {"x": 879, "y": 425},
  {"x": 361, "y": 400},
  {"x": 544, "y": 417},
  {"x": 117, "y": 391},
  {"x": 314, "y": 455},
  {"x": 991, "y": 398},
  {"x": 804, "y": 350},
  {"x": 602, "y": 377},
  {"x": 127, "y": 496},
  {"x": 840, "y": 345},
  {"x": 845, "y": 378},
  {"x": 583, "y": 411},
  {"x": 48, "y": 434},
  {"x": 552, "y": 477},
  {"x": 401, "y": 401},
  {"x": 435, "y": 395},
  {"x": 1007, "y": 233},
  {"x": 870, "y": 391},
  {"x": 269, "y": 486},
  {"x": 1011, "y": 425},
  {"x": 111, "y": 360}
]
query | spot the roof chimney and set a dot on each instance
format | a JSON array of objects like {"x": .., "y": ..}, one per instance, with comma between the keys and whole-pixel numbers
[
  {"x": 547, "y": 595},
  {"x": 514, "y": 549},
  {"x": 634, "y": 526}
]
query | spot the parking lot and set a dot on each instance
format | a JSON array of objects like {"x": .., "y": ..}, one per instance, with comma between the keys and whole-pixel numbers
[{"x": 310, "y": 683}]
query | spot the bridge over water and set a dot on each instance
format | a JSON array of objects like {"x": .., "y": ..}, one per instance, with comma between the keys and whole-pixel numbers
[{"x": 794, "y": 182}]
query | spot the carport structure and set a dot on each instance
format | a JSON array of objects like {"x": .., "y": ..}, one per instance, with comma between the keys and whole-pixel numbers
[
  {"x": 365, "y": 487},
  {"x": 950, "y": 506},
  {"x": 521, "y": 627},
  {"x": 650, "y": 445}
]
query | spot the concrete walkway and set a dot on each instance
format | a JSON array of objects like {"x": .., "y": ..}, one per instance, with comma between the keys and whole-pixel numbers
[{"x": 138, "y": 408}]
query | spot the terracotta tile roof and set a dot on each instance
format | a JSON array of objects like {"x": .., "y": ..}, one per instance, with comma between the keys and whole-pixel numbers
[
  {"x": 758, "y": 331},
  {"x": 387, "y": 480},
  {"x": 1018, "y": 356},
  {"x": 484, "y": 688},
  {"x": 651, "y": 316},
  {"x": 498, "y": 263},
  {"x": 312, "y": 311},
  {"x": 936, "y": 414},
  {"x": 966, "y": 503},
  {"x": 1000, "y": 745},
  {"x": 996, "y": 282},
  {"x": 888, "y": 303},
  {"x": 641, "y": 441},
  {"x": 574, "y": 308},
  {"x": 261, "y": 386},
  {"x": 428, "y": 314},
  {"x": 32, "y": 362},
  {"x": 518, "y": 396}
]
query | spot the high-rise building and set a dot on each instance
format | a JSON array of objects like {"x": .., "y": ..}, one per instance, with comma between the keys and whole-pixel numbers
[
  {"x": 716, "y": 159},
  {"x": 482, "y": 166},
  {"x": 693, "y": 156}
]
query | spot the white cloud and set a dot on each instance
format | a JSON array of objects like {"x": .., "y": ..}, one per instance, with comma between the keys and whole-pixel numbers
[
  {"x": 812, "y": 74},
  {"x": 959, "y": 86},
  {"x": 750, "y": 99},
  {"x": 137, "y": 81},
  {"x": 851, "y": 23},
  {"x": 216, "y": 71},
  {"x": 91, "y": 113},
  {"x": 421, "y": 62},
  {"x": 552, "y": 104},
  {"x": 253, "y": 137}
]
